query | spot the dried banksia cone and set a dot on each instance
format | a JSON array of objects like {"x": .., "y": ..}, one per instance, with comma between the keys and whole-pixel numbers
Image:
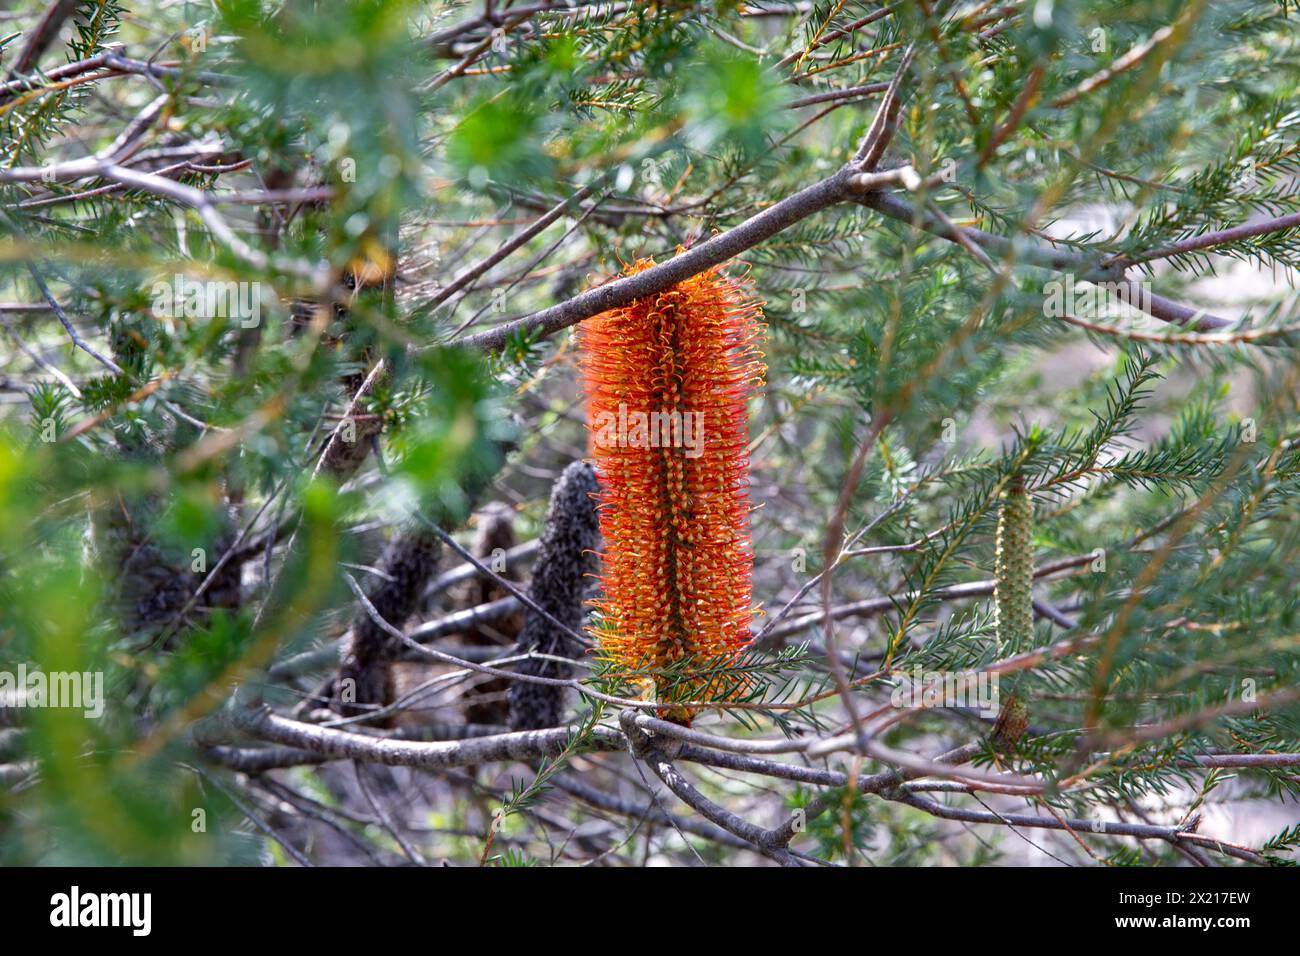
[
  {"x": 566, "y": 560},
  {"x": 494, "y": 536},
  {"x": 1014, "y": 567},
  {"x": 1012, "y": 720},
  {"x": 346, "y": 452},
  {"x": 365, "y": 671},
  {"x": 150, "y": 580},
  {"x": 365, "y": 680},
  {"x": 668, "y": 379},
  {"x": 482, "y": 697}
]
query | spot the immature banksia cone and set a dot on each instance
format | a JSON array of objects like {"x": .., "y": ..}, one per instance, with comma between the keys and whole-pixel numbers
[
  {"x": 1013, "y": 591},
  {"x": 668, "y": 379},
  {"x": 1014, "y": 567}
]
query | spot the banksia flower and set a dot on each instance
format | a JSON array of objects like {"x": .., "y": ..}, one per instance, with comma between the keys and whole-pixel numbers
[
  {"x": 668, "y": 379},
  {"x": 567, "y": 558},
  {"x": 1013, "y": 590}
]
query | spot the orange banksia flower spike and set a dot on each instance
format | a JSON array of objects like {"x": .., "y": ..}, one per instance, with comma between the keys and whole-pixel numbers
[{"x": 668, "y": 379}]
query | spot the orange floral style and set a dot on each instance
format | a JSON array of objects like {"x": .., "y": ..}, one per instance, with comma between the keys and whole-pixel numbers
[{"x": 674, "y": 513}]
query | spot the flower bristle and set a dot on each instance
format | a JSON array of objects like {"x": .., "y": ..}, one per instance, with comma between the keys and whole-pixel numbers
[{"x": 678, "y": 560}]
